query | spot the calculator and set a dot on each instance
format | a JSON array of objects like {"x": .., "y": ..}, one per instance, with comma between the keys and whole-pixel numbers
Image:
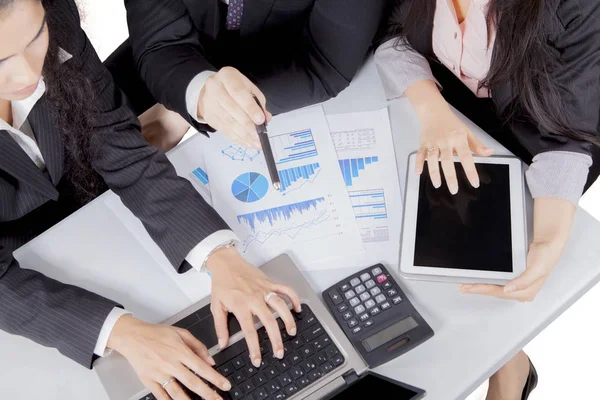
[{"x": 378, "y": 319}]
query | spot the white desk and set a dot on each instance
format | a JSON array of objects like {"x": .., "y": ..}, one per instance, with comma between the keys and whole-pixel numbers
[{"x": 474, "y": 335}]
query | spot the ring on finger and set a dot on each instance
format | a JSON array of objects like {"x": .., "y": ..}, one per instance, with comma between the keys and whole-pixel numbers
[
  {"x": 165, "y": 383},
  {"x": 269, "y": 296},
  {"x": 432, "y": 149}
]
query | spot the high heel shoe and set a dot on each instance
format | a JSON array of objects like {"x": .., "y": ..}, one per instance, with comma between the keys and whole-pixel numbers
[{"x": 531, "y": 382}]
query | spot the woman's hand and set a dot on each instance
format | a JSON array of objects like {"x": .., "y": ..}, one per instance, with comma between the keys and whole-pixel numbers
[
  {"x": 226, "y": 104},
  {"x": 442, "y": 136},
  {"x": 552, "y": 225},
  {"x": 240, "y": 289},
  {"x": 160, "y": 353}
]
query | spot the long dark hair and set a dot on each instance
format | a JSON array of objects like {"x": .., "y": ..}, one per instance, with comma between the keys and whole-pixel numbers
[
  {"x": 521, "y": 55},
  {"x": 71, "y": 98}
]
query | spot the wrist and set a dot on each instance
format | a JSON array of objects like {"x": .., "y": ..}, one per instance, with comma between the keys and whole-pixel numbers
[
  {"x": 199, "y": 110},
  {"x": 121, "y": 331},
  {"x": 425, "y": 98},
  {"x": 221, "y": 258},
  {"x": 552, "y": 219}
]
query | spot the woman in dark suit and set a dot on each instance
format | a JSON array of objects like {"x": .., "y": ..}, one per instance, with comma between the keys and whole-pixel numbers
[
  {"x": 65, "y": 136},
  {"x": 528, "y": 73}
]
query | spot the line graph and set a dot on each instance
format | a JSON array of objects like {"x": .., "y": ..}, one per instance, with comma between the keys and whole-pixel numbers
[
  {"x": 281, "y": 213},
  {"x": 240, "y": 153},
  {"x": 291, "y": 232},
  {"x": 305, "y": 173},
  {"x": 351, "y": 167}
]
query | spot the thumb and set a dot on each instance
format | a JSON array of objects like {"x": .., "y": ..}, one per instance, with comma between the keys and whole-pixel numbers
[
  {"x": 478, "y": 147},
  {"x": 534, "y": 272},
  {"x": 220, "y": 317}
]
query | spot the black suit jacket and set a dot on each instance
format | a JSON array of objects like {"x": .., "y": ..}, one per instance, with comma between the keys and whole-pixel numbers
[
  {"x": 175, "y": 215},
  {"x": 298, "y": 52},
  {"x": 572, "y": 28}
]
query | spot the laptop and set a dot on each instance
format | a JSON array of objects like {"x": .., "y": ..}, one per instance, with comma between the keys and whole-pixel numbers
[{"x": 319, "y": 362}]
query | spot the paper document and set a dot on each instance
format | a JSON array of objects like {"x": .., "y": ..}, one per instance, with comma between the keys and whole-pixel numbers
[
  {"x": 366, "y": 157},
  {"x": 310, "y": 217}
]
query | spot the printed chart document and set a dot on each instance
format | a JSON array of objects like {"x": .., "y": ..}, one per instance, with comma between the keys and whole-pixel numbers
[
  {"x": 310, "y": 217},
  {"x": 366, "y": 157}
]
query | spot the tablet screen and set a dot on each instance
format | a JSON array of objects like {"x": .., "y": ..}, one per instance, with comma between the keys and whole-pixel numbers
[{"x": 470, "y": 230}]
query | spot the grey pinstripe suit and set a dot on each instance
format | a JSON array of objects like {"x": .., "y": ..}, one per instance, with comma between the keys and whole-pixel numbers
[{"x": 175, "y": 215}]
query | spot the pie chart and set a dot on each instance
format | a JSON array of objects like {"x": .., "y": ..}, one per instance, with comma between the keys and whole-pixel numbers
[{"x": 250, "y": 187}]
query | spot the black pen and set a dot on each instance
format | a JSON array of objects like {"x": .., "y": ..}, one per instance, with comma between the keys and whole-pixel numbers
[{"x": 266, "y": 147}]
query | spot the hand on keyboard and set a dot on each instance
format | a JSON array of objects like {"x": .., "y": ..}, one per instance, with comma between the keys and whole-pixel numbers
[
  {"x": 167, "y": 359},
  {"x": 240, "y": 289}
]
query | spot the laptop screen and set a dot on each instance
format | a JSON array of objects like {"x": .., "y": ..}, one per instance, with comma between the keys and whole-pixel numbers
[{"x": 371, "y": 385}]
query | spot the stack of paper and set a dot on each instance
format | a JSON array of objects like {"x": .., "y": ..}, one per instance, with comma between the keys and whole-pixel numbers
[{"x": 339, "y": 203}]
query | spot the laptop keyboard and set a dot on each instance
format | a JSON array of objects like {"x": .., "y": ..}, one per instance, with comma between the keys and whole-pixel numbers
[{"x": 309, "y": 356}]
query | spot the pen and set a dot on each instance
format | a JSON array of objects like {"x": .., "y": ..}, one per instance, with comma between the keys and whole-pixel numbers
[{"x": 267, "y": 151}]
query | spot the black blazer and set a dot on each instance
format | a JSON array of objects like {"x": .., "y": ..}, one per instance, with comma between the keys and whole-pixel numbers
[
  {"x": 298, "y": 52},
  {"x": 572, "y": 28},
  {"x": 175, "y": 215}
]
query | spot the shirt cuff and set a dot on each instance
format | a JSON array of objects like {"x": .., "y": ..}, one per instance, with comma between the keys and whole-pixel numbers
[
  {"x": 400, "y": 66},
  {"x": 192, "y": 94},
  {"x": 198, "y": 255},
  {"x": 558, "y": 174},
  {"x": 109, "y": 323}
]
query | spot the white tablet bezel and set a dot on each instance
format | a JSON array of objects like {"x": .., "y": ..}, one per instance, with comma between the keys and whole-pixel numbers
[{"x": 518, "y": 227}]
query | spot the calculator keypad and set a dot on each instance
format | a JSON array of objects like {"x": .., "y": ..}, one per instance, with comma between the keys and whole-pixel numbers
[{"x": 364, "y": 297}]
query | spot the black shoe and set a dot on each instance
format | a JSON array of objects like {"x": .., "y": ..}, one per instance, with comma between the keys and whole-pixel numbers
[{"x": 531, "y": 383}]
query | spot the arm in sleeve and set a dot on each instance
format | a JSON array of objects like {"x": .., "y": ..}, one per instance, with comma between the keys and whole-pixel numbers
[
  {"x": 167, "y": 51},
  {"x": 172, "y": 211},
  {"x": 400, "y": 66},
  {"x": 48, "y": 312}
]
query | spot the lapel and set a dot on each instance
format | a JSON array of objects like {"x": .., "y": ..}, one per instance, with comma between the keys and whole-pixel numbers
[
  {"x": 255, "y": 15},
  {"x": 15, "y": 161},
  {"x": 205, "y": 16},
  {"x": 48, "y": 139}
]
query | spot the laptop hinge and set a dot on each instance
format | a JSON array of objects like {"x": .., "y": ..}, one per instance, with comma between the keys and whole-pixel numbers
[{"x": 350, "y": 377}]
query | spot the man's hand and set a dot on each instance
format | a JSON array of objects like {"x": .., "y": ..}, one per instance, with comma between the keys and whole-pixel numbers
[
  {"x": 159, "y": 353},
  {"x": 227, "y": 105}
]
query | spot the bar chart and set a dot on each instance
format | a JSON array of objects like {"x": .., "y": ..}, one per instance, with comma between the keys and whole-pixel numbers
[
  {"x": 283, "y": 213},
  {"x": 305, "y": 173},
  {"x": 351, "y": 167},
  {"x": 200, "y": 175},
  {"x": 295, "y": 146},
  {"x": 371, "y": 214}
]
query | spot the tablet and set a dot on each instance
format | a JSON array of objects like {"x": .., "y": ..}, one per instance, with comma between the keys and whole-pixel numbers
[{"x": 477, "y": 235}]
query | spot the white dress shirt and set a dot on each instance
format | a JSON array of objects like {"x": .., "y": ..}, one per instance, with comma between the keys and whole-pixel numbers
[{"x": 22, "y": 133}]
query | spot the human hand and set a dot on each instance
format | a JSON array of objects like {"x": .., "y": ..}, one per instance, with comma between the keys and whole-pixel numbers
[
  {"x": 226, "y": 104},
  {"x": 159, "y": 353},
  {"x": 442, "y": 136},
  {"x": 240, "y": 289},
  {"x": 552, "y": 224}
]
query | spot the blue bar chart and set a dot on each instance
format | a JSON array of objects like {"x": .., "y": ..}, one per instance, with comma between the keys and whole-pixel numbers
[
  {"x": 371, "y": 214},
  {"x": 274, "y": 215},
  {"x": 294, "y": 146},
  {"x": 351, "y": 167},
  {"x": 200, "y": 175},
  {"x": 289, "y": 176}
]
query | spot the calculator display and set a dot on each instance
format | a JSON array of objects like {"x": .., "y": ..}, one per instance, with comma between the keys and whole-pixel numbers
[{"x": 389, "y": 333}]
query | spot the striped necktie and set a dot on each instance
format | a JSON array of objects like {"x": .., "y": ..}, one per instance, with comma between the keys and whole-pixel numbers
[{"x": 234, "y": 14}]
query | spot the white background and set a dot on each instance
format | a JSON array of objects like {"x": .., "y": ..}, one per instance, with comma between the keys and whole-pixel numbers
[{"x": 564, "y": 354}]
